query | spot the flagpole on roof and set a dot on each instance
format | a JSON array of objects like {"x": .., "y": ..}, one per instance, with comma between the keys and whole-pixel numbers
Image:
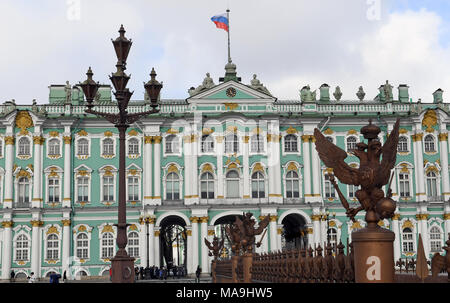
[{"x": 228, "y": 17}]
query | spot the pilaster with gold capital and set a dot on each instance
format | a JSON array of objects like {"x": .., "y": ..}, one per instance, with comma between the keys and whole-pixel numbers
[{"x": 66, "y": 222}]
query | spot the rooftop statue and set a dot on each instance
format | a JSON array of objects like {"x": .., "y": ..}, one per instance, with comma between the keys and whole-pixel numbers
[
  {"x": 68, "y": 90},
  {"x": 256, "y": 84},
  {"x": 337, "y": 93},
  {"x": 207, "y": 83},
  {"x": 307, "y": 95},
  {"x": 360, "y": 94},
  {"x": 371, "y": 175}
]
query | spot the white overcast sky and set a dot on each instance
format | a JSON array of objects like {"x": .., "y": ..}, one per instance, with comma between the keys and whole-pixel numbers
[{"x": 288, "y": 44}]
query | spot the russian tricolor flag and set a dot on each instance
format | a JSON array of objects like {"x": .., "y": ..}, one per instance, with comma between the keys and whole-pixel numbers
[{"x": 221, "y": 21}]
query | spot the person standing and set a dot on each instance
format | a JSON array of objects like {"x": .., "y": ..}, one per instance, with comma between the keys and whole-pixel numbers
[
  {"x": 64, "y": 277},
  {"x": 197, "y": 274},
  {"x": 12, "y": 275},
  {"x": 32, "y": 278}
]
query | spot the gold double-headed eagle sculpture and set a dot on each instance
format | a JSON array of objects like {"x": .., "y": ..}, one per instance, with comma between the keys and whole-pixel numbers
[{"x": 373, "y": 173}]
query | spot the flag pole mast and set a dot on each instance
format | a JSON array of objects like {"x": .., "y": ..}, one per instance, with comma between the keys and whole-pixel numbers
[{"x": 228, "y": 17}]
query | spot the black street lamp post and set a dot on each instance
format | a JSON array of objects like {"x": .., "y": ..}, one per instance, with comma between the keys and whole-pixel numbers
[{"x": 122, "y": 264}]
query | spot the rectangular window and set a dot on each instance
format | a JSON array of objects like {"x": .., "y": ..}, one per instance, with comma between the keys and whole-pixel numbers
[
  {"x": 53, "y": 190},
  {"x": 83, "y": 189},
  {"x": 133, "y": 189},
  {"x": 404, "y": 185},
  {"x": 108, "y": 189}
]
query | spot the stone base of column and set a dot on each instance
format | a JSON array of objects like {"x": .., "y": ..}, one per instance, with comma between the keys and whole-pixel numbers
[
  {"x": 122, "y": 269},
  {"x": 374, "y": 255}
]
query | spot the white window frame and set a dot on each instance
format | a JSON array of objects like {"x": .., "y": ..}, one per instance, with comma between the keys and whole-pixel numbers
[
  {"x": 102, "y": 175},
  {"x": 292, "y": 180},
  {"x": 2, "y": 147},
  {"x": 440, "y": 240},
  {"x": 403, "y": 181},
  {"x": 412, "y": 240},
  {"x": 133, "y": 246},
  {"x": 173, "y": 182},
  {"x": 403, "y": 152},
  {"x": 133, "y": 155},
  {"x": 260, "y": 139},
  {"x": 233, "y": 179},
  {"x": 77, "y": 143},
  {"x": 110, "y": 246},
  {"x": 88, "y": 176},
  {"x": 30, "y": 146},
  {"x": 347, "y": 143},
  {"x": 27, "y": 249},
  {"x": 17, "y": 191},
  {"x": 235, "y": 143},
  {"x": 48, "y": 147},
  {"x": 77, "y": 247},
  {"x": 436, "y": 179},
  {"x": 53, "y": 249},
  {"x": 102, "y": 152},
  {"x": 177, "y": 140},
  {"x": 208, "y": 182},
  {"x": 202, "y": 142},
  {"x": 434, "y": 144},
  {"x": 137, "y": 186},
  {"x": 297, "y": 138},
  {"x": 326, "y": 184}
]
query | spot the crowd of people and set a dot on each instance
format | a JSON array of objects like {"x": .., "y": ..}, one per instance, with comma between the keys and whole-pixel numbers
[{"x": 153, "y": 272}]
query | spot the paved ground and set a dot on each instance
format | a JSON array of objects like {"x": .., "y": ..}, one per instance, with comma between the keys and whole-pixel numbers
[{"x": 106, "y": 280}]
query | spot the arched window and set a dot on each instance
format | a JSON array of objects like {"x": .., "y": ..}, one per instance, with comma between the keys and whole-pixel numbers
[
  {"x": 207, "y": 186},
  {"x": 53, "y": 190},
  {"x": 108, "y": 188},
  {"x": 172, "y": 145},
  {"x": 258, "y": 188},
  {"x": 429, "y": 144},
  {"x": 133, "y": 146},
  {"x": 207, "y": 144},
  {"x": 24, "y": 190},
  {"x": 329, "y": 189},
  {"x": 290, "y": 144},
  {"x": 22, "y": 247},
  {"x": 172, "y": 186},
  {"x": 133, "y": 188},
  {"x": 108, "y": 147},
  {"x": 404, "y": 185},
  {"x": 231, "y": 143},
  {"x": 408, "y": 242},
  {"x": 82, "y": 246},
  {"x": 351, "y": 143},
  {"x": 432, "y": 190},
  {"x": 332, "y": 236},
  {"x": 52, "y": 247},
  {"x": 24, "y": 146},
  {"x": 257, "y": 144},
  {"x": 107, "y": 245},
  {"x": 83, "y": 147},
  {"x": 402, "y": 146},
  {"x": 435, "y": 239},
  {"x": 292, "y": 185},
  {"x": 53, "y": 147},
  {"x": 352, "y": 191},
  {"x": 82, "y": 189},
  {"x": 232, "y": 184},
  {"x": 133, "y": 244}
]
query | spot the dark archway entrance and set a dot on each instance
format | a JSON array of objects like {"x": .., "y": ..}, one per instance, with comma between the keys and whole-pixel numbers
[
  {"x": 172, "y": 242},
  {"x": 295, "y": 234},
  {"x": 219, "y": 229}
]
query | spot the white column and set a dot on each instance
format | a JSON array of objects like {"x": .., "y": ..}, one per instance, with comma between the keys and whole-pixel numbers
[
  {"x": 157, "y": 171},
  {"x": 317, "y": 229},
  {"x": 156, "y": 250},
  {"x": 211, "y": 234},
  {"x": 194, "y": 170},
  {"x": 310, "y": 236},
  {"x": 143, "y": 245},
  {"x": 153, "y": 243},
  {"x": 246, "y": 168},
  {"x": 446, "y": 225},
  {"x": 204, "y": 250},
  {"x": 420, "y": 181},
  {"x": 396, "y": 231},
  {"x": 220, "y": 177},
  {"x": 9, "y": 161},
  {"x": 271, "y": 168},
  {"x": 279, "y": 232},
  {"x": 67, "y": 170},
  {"x": 276, "y": 165},
  {"x": 147, "y": 184},
  {"x": 443, "y": 138},
  {"x": 38, "y": 141},
  {"x": 187, "y": 169},
  {"x": 395, "y": 196},
  {"x": 194, "y": 223},
  {"x": 7, "y": 249},
  {"x": 273, "y": 233},
  {"x": 424, "y": 231},
  {"x": 35, "y": 247},
  {"x": 307, "y": 169},
  {"x": 323, "y": 232},
  {"x": 66, "y": 246},
  {"x": 315, "y": 162},
  {"x": 190, "y": 252}
]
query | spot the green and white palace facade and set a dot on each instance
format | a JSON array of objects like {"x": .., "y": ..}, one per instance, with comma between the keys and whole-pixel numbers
[{"x": 226, "y": 149}]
